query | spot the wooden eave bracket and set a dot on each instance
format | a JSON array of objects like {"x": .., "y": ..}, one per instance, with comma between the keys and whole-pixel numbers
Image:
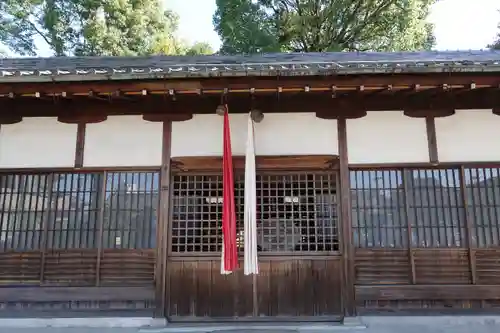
[
  {"x": 10, "y": 119},
  {"x": 438, "y": 113},
  {"x": 496, "y": 111},
  {"x": 346, "y": 114},
  {"x": 161, "y": 117},
  {"x": 82, "y": 119}
]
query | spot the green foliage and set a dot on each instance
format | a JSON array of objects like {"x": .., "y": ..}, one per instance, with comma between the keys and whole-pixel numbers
[
  {"x": 89, "y": 27},
  {"x": 252, "y": 26},
  {"x": 199, "y": 48}
]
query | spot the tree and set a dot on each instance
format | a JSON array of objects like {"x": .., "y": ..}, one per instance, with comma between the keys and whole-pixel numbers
[
  {"x": 170, "y": 45},
  {"x": 88, "y": 27},
  {"x": 251, "y": 26},
  {"x": 199, "y": 48}
]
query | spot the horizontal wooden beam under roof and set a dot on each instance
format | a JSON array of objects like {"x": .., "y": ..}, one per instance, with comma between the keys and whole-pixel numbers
[
  {"x": 326, "y": 105},
  {"x": 347, "y": 83}
]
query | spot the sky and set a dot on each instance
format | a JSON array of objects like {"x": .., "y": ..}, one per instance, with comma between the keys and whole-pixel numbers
[{"x": 459, "y": 24}]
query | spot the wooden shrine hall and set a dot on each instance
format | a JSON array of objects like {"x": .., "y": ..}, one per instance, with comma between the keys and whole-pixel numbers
[{"x": 378, "y": 186}]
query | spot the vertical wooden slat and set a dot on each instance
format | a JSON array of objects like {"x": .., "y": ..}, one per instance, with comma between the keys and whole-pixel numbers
[
  {"x": 80, "y": 145},
  {"x": 409, "y": 221},
  {"x": 468, "y": 224},
  {"x": 102, "y": 202},
  {"x": 345, "y": 224},
  {"x": 430, "y": 124},
  {"x": 163, "y": 223},
  {"x": 45, "y": 225}
]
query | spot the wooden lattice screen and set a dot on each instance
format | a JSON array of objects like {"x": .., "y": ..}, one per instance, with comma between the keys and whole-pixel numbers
[
  {"x": 296, "y": 212},
  {"x": 78, "y": 229},
  {"x": 438, "y": 228}
]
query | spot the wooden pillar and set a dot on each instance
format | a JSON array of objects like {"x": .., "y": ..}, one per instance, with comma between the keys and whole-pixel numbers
[
  {"x": 80, "y": 144},
  {"x": 162, "y": 230},
  {"x": 410, "y": 222},
  {"x": 430, "y": 124},
  {"x": 161, "y": 278},
  {"x": 468, "y": 227},
  {"x": 345, "y": 222}
]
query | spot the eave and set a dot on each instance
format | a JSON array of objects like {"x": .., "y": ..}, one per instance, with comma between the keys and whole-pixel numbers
[
  {"x": 432, "y": 88},
  {"x": 71, "y": 69}
]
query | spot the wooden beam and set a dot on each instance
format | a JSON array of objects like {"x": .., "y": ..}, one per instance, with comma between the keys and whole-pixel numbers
[
  {"x": 345, "y": 222},
  {"x": 322, "y": 103},
  {"x": 263, "y": 163},
  {"x": 241, "y": 83},
  {"x": 65, "y": 294},
  {"x": 428, "y": 292}
]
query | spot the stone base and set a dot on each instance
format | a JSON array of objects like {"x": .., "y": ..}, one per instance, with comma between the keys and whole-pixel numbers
[
  {"x": 92, "y": 322},
  {"x": 353, "y": 322},
  {"x": 303, "y": 327}
]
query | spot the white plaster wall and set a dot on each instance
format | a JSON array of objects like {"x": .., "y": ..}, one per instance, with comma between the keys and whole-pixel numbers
[
  {"x": 277, "y": 134},
  {"x": 37, "y": 143},
  {"x": 123, "y": 141},
  {"x": 387, "y": 137},
  {"x": 468, "y": 136}
]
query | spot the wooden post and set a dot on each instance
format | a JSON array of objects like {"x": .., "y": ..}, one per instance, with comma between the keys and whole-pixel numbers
[
  {"x": 345, "y": 224},
  {"x": 45, "y": 225},
  {"x": 80, "y": 145},
  {"x": 102, "y": 183},
  {"x": 409, "y": 220},
  {"x": 468, "y": 227},
  {"x": 430, "y": 124},
  {"x": 161, "y": 278}
]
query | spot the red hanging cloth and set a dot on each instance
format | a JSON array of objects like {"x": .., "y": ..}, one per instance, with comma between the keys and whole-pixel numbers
[{"x": 230, "y": 251}]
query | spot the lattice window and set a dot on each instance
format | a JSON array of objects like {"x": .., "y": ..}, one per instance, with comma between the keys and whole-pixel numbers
[
  {"x": 73, "y": 212},
  {"x": 378, "y": 209},
  {"x": 435, "y": 207},
  {"x": 24, "y": 201},
  {"x": 482, "y": 188},
  {"x": 386, "y": 202},
  {"x": 130, "y": 212},
  {"x": 295, "y": 212},
  {"x": 64, "y": 210}
]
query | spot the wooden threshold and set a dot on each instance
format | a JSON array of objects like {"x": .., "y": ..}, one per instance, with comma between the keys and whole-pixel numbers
[{"x": 64, "y": 294}]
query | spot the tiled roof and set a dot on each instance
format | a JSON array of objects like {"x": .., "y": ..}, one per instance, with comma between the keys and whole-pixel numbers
[{"x": 278, "y": 64}]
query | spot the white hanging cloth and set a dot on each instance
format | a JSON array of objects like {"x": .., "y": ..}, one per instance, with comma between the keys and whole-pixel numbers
[{"x": 251, "y": 265}]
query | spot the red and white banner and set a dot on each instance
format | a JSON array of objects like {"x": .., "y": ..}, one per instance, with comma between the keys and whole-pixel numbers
[
  {"x": 229, "y": 259},
  {"x": 251, "y": 265}
]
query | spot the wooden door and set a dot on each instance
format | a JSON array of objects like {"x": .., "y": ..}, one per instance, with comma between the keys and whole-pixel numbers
[{"x": 300, "y": 264}]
